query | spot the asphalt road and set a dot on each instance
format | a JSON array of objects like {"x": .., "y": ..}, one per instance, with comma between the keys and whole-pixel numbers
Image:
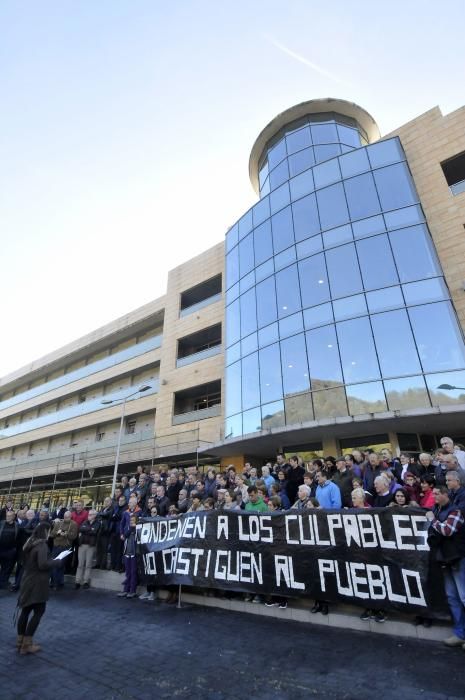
[{"x": 99, "y": 647}]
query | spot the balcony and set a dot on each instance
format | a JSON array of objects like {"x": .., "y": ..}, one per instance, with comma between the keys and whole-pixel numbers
[
  {"x": 197, "y": 403},
  {"x": 79, "y": 409},
  {"x": 201, "y": 295},
  {"x": 104, "y": 363},
  {"x": 198, "y": 346}
]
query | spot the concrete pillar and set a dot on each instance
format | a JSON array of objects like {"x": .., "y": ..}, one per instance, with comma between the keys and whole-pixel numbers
[
  {"x": 330, "y": 446},
  {"x": 394, "y": 444}
]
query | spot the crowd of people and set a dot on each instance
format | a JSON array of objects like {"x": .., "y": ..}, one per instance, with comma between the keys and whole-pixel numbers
[{"x": 104, "y": 537}]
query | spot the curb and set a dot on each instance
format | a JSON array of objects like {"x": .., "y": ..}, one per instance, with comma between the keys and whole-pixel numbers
[{"x": 343, "y": 617}]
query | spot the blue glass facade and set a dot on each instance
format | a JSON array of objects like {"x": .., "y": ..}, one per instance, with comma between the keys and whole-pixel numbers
[{"x": 334, "y": 293}]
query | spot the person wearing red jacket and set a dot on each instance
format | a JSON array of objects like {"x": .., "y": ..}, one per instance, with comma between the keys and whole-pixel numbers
[{"x": 427, "y": 483}]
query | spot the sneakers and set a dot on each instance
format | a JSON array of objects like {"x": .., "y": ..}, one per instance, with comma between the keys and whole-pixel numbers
[
  {"x": 324, "y": 609},
  {"x": 131, "y": 595},
  {"x": 144, "y": 596},
  {"x": 283, "y": 605},
  {"x": 257, "y": 599},
  {"x": 122, "y": 595},
  {"x": 86, "y": 585},
  {"x": 316, "y": 607},
  {"x": 270, "y": 604},
  {"x": 380, "y": 616},
  {"x": 366, "y": 615},
  {"x": 151, "y": 597},
  {"x": 247, "y": 598},
  {"x": 77, "y": 586},
  {"x": 454, "y": 641}
]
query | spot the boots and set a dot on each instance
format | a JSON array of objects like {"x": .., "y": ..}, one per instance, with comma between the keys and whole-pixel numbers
[
  {"x": 19, "y": 641},
  {"x": 28, "y": 646}
]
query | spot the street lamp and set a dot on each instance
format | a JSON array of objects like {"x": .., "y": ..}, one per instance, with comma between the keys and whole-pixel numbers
[
  {"x": 449, "y": 387},
  {"x": 141, "y": 389}
]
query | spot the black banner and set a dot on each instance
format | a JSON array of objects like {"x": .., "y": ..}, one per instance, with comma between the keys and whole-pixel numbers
[{"x": 378, "y": 558}]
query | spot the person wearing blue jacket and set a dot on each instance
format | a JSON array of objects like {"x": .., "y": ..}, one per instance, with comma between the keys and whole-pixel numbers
[{"x": 327, "y": 492}]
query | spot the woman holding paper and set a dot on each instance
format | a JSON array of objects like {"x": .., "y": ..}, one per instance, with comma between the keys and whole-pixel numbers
[{"x": 33, "y": 594}]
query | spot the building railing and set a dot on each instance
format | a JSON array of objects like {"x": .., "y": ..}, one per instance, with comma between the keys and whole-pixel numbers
[
  {"x": 105, "y": 362},
  {"x": 197, "y": 356},
  {"x": 73, "y": 411},
  {"x": 201, "y": 414},
  {"x": 200, "y": 305},
  {"x": 135, "y": 448},
  {"x": 458, "y": 187}
]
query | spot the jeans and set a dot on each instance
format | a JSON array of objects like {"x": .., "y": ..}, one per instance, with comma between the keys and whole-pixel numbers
[{"x": 454, "y": 579}]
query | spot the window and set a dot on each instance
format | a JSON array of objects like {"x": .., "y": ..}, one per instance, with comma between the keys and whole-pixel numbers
[
  {"x": 394, "y": 341},
  {"x": 305, "y": 215},
  {"x": 99, "y": 437},
  {"x": 277, "y": 153},
  {"x": 233, "y": 324},
  {"x": 332, "y": 206},
  {"x": 343, "y": 271},
  {"x": 376, "y": 262},
  {"x": 313, "y": 280},
  {"x": 454, "y": 172},
  {"x": 414, "y": 254},
  {"x": 262, "y": 242},
  {"x": 298, "y": 140},
  {"x": 437, "y": 353},
  {"x": 130, "y": 427},
  {"x": 233, "y": 389},
  {"x": 357, "y": 350},
  {"x": 294, "y": 365},
  {"x": 287, "y": 291},
  {"x": 395, "y": 187},
  {"x": 279, "y": 175},
  {"x": 250, "y": 382},
  {"x": 270, "y": 373},
  {"x": 246, "y": 256},
  {"x": 282, "y": 228},
  {"x": 361, "y": 196},
  {"x": 323, "y": 358},
  {"x": 248, "y": 313},
  {"x": 266, "y": 302},
  {"x": 299, "y": 162}
]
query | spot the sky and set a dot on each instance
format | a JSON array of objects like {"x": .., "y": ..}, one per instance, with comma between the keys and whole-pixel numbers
[{"x": 126, "y": 128}]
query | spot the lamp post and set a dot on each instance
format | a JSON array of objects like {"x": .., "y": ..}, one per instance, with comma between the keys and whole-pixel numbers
[
  {"x": 141, "y": 389},
  {"x": 449, "y": 387}
]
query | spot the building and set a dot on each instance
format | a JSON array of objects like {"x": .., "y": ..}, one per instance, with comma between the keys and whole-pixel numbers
[{"x": 342, "y": 310}]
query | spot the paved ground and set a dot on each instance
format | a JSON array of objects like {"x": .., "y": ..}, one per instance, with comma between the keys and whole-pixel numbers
[{"x": 98, "y": 647}]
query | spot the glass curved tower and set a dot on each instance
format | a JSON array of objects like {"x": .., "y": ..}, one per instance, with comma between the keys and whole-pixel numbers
[{"x": 334, "y": 293}]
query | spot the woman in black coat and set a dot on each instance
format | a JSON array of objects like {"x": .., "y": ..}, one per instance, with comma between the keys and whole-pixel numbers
[{"x": 34, "y": 590}]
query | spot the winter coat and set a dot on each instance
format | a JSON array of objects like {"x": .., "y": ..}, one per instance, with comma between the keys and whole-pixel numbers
[
  {"x": 35, "y": 580},
  {"x": 88, "y": 532},
  {"x": 69, "y": 532}
]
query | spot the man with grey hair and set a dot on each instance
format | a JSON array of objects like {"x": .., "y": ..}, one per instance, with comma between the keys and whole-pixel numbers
[
  {"x": 448, "y": 446},
  {"x": 303, "y": 494},
  {"x": 449, "y": 462},
  {"x": 267, "y": 478},
  {"x": 383, "y": 495},
  {"x": 456, "y": 490},
  {"x": 88, "y": 533}
]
